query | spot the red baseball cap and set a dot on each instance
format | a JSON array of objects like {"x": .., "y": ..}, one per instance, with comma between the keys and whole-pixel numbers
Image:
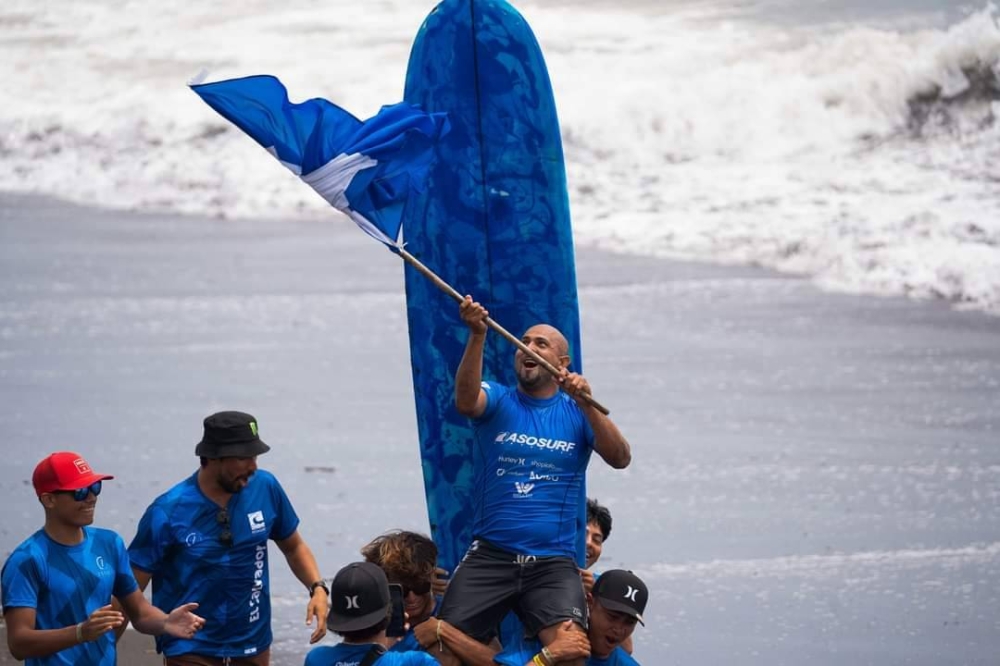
[{"x": 64, "y": 470}]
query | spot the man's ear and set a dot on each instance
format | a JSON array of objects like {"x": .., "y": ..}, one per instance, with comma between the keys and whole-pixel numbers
[
  {"x": 47, "y": 500},
  {"x": 564, "y": 361}
]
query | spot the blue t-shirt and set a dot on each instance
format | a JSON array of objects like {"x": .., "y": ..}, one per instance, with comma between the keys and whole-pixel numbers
[
  {"x": 351, "y": 655},
  {"x": 178, "y": 542},
  {"x": 409, "y": 640},
  {"x": 520, "y": 653},
  {"x": 65, "y": 584},
  {"x": 530, "y": 461}
]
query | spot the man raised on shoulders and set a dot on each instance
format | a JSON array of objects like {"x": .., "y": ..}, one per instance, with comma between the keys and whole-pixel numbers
[{"x": 532, "y": 444}]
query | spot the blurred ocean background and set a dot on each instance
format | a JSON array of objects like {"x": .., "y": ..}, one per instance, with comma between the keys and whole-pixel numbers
[
  {"x": 817, "y": 472},
  {"x": 850, "y": 141}
]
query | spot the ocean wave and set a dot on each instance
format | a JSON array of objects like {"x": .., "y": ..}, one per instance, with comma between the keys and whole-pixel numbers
[{"x": 862, "y": 157}]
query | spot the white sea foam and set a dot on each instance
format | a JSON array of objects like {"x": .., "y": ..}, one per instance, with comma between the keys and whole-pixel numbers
[{"x": 867, "y": 158}]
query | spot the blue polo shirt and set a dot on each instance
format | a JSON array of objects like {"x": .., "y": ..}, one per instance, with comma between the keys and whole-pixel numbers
[
  {"x": 530, "y": 460},
  {"x": 65, "y": 584},
  {"x": 178, "y": 542}
]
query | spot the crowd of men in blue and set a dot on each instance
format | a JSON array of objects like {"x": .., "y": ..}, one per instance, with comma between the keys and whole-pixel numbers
[{"x": 518, "y": 597}]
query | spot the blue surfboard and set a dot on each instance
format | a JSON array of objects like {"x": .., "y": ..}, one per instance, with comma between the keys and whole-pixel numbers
[{"x": 494, "y": 222}]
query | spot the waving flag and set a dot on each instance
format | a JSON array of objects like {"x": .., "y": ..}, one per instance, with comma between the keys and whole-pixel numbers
[{"x": 364, "y": 169}]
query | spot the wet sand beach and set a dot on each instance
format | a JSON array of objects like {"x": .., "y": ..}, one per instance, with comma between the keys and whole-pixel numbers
[{"x": 815, "y": 474}]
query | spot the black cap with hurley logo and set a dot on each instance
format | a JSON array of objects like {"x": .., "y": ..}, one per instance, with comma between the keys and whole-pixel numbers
[
  {"x": 359, "y": 597},
  {"x": 622, "y": 591}
]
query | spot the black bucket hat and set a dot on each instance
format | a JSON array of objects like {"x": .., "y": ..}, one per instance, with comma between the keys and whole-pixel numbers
[{"x": 230, "y": 435}]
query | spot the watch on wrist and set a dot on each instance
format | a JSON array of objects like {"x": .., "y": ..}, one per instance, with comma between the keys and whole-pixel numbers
[{"x": 318, "y": 584}]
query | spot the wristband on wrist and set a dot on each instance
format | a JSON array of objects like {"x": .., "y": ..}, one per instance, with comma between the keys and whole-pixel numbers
[
  {"x": 547, "y": 656},
  {"x": 318, "y": 585},
  {"x": 79, "y": 633},
  {"x": 438, "y": 632},
  {"x": 537, "y": 659}
]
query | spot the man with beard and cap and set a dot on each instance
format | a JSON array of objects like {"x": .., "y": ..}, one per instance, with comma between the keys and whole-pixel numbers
[
  {"x": 616, "y": 603},
  {"x": 60, "y": 585},
  {"x": 360, "y": 607},
  {"x": 205, "y": 540},
  {"x": 530, "y": 451}
]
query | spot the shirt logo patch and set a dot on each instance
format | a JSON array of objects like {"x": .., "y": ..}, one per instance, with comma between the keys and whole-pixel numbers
[
  {"x": 532, "y": 441},
  {"x": 523, "y": 489},
  {"x": 256, "y": 521},
  {"x": 192, "y": 538}
]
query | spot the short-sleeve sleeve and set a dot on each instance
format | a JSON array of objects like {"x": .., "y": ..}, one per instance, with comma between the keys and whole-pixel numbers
[
  {"x": 149, "y": 545},
  {"x": 286, "y": 521},
  {"x": 21, "y": 581},
  {"x": 124, "y": 580}
]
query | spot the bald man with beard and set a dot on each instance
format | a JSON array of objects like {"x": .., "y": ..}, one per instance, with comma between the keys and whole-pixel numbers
[{"x": 531, "y": 447}]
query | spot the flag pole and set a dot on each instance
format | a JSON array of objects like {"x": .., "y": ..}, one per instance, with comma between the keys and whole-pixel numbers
[{"x": 448, "y": 289}]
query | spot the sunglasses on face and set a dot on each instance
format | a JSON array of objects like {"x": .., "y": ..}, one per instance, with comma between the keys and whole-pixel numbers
[
  {"x": 418, "y": 589},
  {"x": 80, "y": 494},
  {"x": 226, "y": 536}
]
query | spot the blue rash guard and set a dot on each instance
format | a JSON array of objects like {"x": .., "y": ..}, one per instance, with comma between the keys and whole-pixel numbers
[
  {"x": 178, "y": 542},
  {"x": 530, "y": 459},
  {"x": 352, "y": 655},
  {"x": 521, "y": 653},
  {"x": 65, "y": 584}
]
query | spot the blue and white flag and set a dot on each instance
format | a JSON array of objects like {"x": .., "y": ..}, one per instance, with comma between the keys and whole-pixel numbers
[{"x": 365, "y": 169}]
